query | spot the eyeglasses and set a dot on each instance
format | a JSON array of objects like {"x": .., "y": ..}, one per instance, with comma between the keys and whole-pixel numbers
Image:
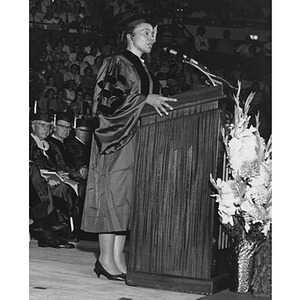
[
  {"x": 64, "y": 126},
  {"x": 43, "y": 125}
]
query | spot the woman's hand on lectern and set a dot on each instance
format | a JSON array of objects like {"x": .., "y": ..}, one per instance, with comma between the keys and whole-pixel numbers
[{"x": 160, "y": 103}]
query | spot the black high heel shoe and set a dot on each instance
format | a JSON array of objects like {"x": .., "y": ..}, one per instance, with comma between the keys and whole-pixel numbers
[{"x": 99, "y": 270}]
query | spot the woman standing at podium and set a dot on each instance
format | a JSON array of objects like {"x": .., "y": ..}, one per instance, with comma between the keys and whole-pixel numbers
[{"x": 124, "y": 85}]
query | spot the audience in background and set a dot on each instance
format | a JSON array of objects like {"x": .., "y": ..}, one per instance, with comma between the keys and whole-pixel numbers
[
  {"x": 59, "y": 104},
  {"x": 81, "y": 64},
  {"x": 50, "y": 83},
  {"x": 58, "y": 53},
  {"x": 225, "y": 45},
  {"x": 105, "y": 50},
  {"x": 248, "y": 48},
  {"x": 56, "y": 73},
  {"x": 90, "y": 58},
  {"x": 183, "y": 86},
  {"x": 91, "y": 44},
  {"x": 75, "y": 50},
  {"x": 201, "y": 44},
  {"x": 70, "y": 91},
  {"x": 66, "y": 47},
  {"x": 43, "y": 63},
  {"x": 43, "y": 102},
  {"x": 76, "y": 106},
  {"x": 236, "y": 73},
  {"x": 97, "y": 65},
  {"x": 88, "y": 80},
  {"x": 67, "y": 15},
  {"x": 73, "y": 74}
]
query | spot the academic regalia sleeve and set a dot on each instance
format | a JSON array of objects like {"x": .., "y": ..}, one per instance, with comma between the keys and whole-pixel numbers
[{"x": 119, "y": 104}]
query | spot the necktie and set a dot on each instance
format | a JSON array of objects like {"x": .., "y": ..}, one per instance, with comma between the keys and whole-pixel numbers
[{"x": 67, "y": 18}]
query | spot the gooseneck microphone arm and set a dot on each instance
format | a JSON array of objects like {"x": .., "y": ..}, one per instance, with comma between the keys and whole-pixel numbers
[
  {"x": 192, "y": 62},
  {"x": 188, "y": 60}
]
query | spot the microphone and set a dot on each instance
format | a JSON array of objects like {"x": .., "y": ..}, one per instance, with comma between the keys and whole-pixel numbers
[{"x": 181, "y": 55}]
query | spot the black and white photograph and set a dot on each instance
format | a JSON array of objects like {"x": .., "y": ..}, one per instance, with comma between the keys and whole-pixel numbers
[{"x": 150, "y": 132}]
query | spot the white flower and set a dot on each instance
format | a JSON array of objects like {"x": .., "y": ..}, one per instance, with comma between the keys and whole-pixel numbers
[
  {"x": 264, "y": 176},
  {"x": 247, "y": 207},
  {"x": 242, "y": 150},
  {"x": 225, "y": 219},
  {"x": 258, "y": 194}
]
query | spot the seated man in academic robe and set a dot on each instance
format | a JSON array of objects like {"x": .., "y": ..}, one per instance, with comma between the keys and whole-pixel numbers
[
  {"x": 45, "y": 158},
  {"x": 77, "y": 170},
  {"x": 46, "y": 227},
  {"x": 78, "y": 146}
]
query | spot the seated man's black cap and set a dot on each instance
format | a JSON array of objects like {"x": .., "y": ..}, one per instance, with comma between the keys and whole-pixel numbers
[
  {"x": 86, "y": 124},
  {"x": 65, "y": 117},
  {"x": 41, "y": 117}
]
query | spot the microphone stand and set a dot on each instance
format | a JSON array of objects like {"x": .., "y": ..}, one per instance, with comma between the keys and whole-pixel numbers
[
  {"x": 210, "y": 76},
  {"x": 200, "y": 69}
]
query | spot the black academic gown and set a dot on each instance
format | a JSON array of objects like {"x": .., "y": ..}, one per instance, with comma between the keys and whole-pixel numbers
[
  {"x": 49, "y": 160},
  {"x": 80, "y": 154},
  {"x": 40, "y": 197},
  {"x": 123, "y": 84},
  {"x": 67, "y": 161},
  {"x": 79, "y": 151}
]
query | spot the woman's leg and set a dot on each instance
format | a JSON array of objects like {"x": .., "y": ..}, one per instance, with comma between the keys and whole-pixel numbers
[
  {"x": 106, "y": 258},
  {"x": 119, "y": 256}
]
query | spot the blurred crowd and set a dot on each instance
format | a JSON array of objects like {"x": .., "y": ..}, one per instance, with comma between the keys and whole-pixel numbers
[
  {"x": 94, "y": 16},
  {"x": 67, "y": 67}
]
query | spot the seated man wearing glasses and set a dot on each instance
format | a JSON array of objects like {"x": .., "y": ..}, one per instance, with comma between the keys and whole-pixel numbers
[
  {"x": 76, "y": 170},
  {"x": 42, "y": 156}
]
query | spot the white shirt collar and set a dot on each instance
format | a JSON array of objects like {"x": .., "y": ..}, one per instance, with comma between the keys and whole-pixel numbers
[{"x": 56, "y": 137}]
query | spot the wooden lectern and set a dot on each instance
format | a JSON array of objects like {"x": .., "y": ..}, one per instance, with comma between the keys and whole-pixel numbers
[{"x": 176, "y": 241}]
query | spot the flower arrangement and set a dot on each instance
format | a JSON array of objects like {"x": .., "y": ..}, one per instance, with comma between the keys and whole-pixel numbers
[{"x": 245, "y": 199}]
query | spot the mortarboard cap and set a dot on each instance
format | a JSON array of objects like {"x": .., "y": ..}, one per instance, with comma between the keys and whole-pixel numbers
[
  {"x": 41, "y": 117},
  {"x": 135, "y": 19},
  {"x": 86, "y": 124},
  {"x": 65, "y": 117}
]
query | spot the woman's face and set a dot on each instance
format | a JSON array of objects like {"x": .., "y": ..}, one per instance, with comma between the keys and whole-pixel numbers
[{"x": 142, "y": 39}]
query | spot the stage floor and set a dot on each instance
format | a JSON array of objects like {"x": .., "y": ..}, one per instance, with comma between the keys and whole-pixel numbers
[
  {"x": 61, "y": 274},
  {"x": 67, "y": 274}
]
